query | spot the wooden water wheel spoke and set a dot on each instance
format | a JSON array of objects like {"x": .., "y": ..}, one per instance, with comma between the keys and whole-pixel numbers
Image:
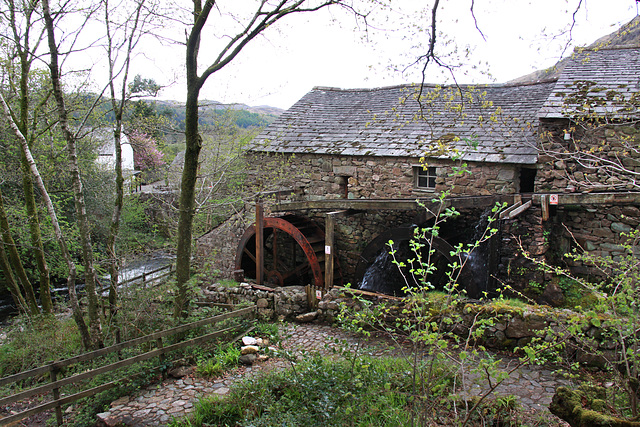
[
  {"x": 252, "y": 256},
  {"x": 274, "y": 249},
  {"x": 298, "y": 270}
]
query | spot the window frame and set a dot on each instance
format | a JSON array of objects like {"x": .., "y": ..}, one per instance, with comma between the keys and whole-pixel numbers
[{"x": 420, "y": 173}]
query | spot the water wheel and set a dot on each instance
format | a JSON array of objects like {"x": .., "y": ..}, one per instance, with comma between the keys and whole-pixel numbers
[{"x": 293, "y": 252}]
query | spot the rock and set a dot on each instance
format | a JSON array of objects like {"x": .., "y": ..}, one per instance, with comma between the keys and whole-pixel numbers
[
  {"x": 520, "y": 328},
  {"x": 249, "y": 349},
  {"x": 259, "y": 342},
  {"x": 262, "y": 303},
  {"x": 307, "y": 317},
  {"x": 248, "y": 359},
  {"x": 122, "y": 401},
  {"x": 249, "y": 341},
  {"x": 262, "y": 358},
  {"x": 552, "y": 296},
  {"x": 181, "y": 371},
  {"x": 619, "y": 227}
]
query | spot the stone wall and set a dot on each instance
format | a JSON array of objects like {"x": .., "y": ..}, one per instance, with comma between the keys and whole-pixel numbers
[
  {"x": 559, "y": 171},
  {"x": 281, "y": 303},
  {"x": 216, "y": 250},
  {"x": 510, "y": 327},
  {"x": 597, "y": 230},
  {"x": 327, "y": 177}
]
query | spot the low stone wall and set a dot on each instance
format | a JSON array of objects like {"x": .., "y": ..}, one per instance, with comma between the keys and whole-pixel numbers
[
  {"x": 511, "y": 327},
  {"x": 281, "y": 303}
]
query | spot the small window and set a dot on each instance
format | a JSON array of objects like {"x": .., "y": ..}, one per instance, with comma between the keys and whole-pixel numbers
[
  {"x": 425, "y": 177},
  {"x": 527, "y": 180}
]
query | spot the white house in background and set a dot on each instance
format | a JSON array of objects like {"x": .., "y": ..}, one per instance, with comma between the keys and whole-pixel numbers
[
  {"x": 107, "y": 157},
  {"x": 107, "y": 151}
]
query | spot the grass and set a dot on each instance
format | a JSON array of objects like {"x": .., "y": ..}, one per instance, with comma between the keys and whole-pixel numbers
[
  {"x": 317, "y": 392},
  {"x": 34, "y": 342},
  {"x": 225, "y": 357}
]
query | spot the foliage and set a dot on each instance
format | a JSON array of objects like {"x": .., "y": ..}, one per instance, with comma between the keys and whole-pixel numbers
[
  {"x": 318, "y": 392},
  {"x": 33, "y": 342},
  {"x": 145, "y": 151},
  {"x": 225, "y": 357},
  {"x": 270, "y": 331},
  {"x": 615, "y": 312},
  {"x": 138, "y": 233},
  {"x": 428, "y": 322}
]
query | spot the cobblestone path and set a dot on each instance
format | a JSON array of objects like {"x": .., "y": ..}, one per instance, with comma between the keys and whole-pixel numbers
[{"x": 174, "y": 398}]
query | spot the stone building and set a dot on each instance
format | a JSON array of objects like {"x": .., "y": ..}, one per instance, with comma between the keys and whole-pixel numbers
[{"x": 561, "y": 153}]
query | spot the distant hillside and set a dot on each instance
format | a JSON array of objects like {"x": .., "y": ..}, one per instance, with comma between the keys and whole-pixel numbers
[
  {"x": 627, "y": 35},
  {"x": 245, "y": 115},
  {"x": 213, "y": 115}
]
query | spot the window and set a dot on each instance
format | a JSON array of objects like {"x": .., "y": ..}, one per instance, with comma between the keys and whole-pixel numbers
[
  {"x": 527, "y": 180},
  {"x": 425, "y": 177}
]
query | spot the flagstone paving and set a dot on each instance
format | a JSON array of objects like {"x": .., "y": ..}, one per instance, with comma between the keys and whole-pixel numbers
[{"x": 175, "y": 398}]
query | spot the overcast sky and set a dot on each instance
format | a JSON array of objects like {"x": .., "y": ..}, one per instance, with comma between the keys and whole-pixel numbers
[{"x": 327, "y": 49}]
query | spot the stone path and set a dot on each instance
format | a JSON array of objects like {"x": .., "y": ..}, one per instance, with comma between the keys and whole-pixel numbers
[{"x": 175, "y": 398}]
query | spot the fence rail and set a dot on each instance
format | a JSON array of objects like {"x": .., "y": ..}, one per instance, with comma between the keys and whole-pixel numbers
[
  {"x": 146, "y": 276},
  {"x": 54, "y": 368}
]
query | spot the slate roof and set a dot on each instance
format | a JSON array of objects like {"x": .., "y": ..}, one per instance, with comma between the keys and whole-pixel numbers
[
  {"x": 488, "y": 123},
  {"x": 601, "y": 81}
]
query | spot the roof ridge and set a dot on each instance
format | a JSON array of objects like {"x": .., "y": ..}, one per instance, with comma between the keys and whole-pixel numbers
[{"x": 433, "y": 85}]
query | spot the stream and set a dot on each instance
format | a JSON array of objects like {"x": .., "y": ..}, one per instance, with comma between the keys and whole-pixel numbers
[{"x": 143, "y": 264}]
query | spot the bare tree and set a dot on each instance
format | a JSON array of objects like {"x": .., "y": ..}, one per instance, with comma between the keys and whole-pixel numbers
[
  {"x": 78, "y": 193},
  {"x": 122, "y": 38},
  {"x": 71, "y": 278},
  {"x": 266, "y": 14}
]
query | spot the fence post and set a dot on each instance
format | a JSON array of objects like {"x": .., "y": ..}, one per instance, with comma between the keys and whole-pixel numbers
[
  {"x": 161, "y": 357},
  {"x": 53, "y": 374}
]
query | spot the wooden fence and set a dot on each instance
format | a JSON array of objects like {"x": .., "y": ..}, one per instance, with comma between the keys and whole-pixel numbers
[
  {"x": 147, "y": 276},
  {"x": 53, "y": 369}
]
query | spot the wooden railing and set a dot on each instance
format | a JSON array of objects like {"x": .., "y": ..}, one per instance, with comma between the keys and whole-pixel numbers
[
  {"x": 147, "y": 276},
  {"x": 53, "y": 369}
]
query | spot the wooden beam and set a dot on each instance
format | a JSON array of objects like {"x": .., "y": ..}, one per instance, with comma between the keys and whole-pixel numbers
[
  {"x": 329, "y": 227},
  {"x": 394, "y": 204},
  {"x": 544, "y": 204},
  {"x": 592, "y": 198},
  {"x": 516, "y": 211},
  {"x": 259, "y": 243}
]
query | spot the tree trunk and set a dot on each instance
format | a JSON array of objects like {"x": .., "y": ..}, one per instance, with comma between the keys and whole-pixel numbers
[
  {"x": 5, "y": 266},
  {"x": 78, "y": 192},
  {"x": 71, "y": 279},
  {"x": 113, "y": 231},
  {"x": 36, "y": 238},
  {"x": 27, "y": 183},
  {"x": 187, "y": 198},
  {"x": 32, "y": 304}
]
